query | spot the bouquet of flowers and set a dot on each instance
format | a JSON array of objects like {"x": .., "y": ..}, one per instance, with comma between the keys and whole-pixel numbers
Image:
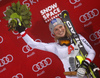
[{"x": 18, "y": 14}]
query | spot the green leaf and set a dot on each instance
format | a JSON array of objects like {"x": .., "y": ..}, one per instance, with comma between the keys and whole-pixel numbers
[
  {"x": 18, "y": 6},
  {"x": 9, "y": 12},
  {"x": 14, "y": 6},
  {"x": 6, "y": 17},
  {"x": 25, "y": 12},
  {"x": 23, "y": 8},
  {"x": 26, "y": 21},
  {"x": 28, "y": 26},
  {"x": 26, "y": 17},
  {"x": 29, "y": 13}
]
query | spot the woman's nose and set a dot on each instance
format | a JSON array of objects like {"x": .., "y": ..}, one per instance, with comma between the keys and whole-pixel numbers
[{"x": 59, "y": 29}]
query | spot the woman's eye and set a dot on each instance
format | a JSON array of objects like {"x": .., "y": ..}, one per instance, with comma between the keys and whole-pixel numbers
[
  {"x": 56, "y": 29},
  {"x": 60, "y": 27}
]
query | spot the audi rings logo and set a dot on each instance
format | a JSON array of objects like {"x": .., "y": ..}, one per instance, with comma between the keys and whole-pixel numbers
[
  {"x": 26, "y": 49},
  {"x": 73, "y": 1},
  {"x": 87, "y": 16},
  {"x": 42, "y": 64},
  {"x": 1, "y": 39},
  {"x": 5, "y": 60},
  {"x": 19, "y": 75},
  {"x": 94, "y": 36}
]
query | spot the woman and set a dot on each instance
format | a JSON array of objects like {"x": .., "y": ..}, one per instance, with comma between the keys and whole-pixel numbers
[{"x": 63, "y": 51}]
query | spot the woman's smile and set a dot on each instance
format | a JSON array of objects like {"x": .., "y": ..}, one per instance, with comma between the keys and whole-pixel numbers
[{"x": 59, "y": 31}]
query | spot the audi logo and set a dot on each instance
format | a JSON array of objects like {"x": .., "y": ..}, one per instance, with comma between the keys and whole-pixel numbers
[
  {"x": 19, "y": 75},
  {"x": 89, "y": 15},
  {"x": 27, "y": 48},
  {"x": 5, "y": 60},
  {"x": 73, "y": 1},
  {"x": 42, "y": 64},
  {"x": 94, "y": 36},
  {"x": 1, "y": 39}
]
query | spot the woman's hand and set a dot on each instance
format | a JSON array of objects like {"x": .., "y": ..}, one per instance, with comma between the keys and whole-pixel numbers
[
  {"x": 20, "y": 28},
  {"x": 83, "y": 69}
]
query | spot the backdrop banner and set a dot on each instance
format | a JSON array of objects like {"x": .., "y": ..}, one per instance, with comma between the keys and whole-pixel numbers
[{"x": 18, "y": 60}]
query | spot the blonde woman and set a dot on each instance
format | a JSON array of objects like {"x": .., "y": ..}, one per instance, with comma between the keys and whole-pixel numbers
[{"x": 57, "y": 28}]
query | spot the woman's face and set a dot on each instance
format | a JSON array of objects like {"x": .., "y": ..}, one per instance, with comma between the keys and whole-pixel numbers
[{"x": 59, "y": 31}]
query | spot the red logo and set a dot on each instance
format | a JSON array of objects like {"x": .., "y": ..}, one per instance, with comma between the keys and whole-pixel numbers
[{"x": 70, "y": 49}]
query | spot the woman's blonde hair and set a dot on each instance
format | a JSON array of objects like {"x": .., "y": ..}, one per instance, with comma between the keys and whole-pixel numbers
[{"x": 66, "y": 34}]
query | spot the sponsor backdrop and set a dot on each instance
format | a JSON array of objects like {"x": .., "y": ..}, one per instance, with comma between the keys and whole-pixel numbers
[{"x": 18, "y": 60}]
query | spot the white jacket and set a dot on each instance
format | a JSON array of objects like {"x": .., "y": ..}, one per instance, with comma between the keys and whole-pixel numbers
[{"x": 60, "y": 51}]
